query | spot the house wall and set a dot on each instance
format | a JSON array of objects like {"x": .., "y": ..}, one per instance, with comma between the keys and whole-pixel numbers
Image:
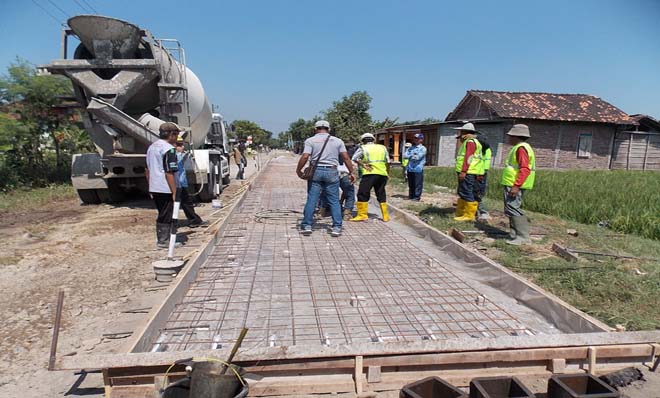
[
  {"x": 556, "y": 144},
  {"x": 637, "y": 151}
]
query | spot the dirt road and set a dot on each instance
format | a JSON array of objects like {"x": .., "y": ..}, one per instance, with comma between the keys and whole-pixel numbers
[{"x": 101, "y": 256}]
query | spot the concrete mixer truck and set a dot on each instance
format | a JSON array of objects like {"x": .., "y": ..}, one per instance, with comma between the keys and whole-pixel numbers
[{"x": 128, "y": 83}]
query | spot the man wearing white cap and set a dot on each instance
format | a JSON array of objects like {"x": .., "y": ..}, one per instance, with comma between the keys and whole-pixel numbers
[
  {"x": 404, "y": 162},
  {"x": 416, "y": 156},
  {"x": 323, "y": 151},
  {"x": 517, "y": 177},
  {"x": 470, "y": 170}
]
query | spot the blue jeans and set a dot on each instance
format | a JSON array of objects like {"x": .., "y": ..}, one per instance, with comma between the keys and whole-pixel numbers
[
  {"x": 468, "y": 189},
  {"x": 326, "y": 182},
  {"x": 347, "y": 193},
  {"x": 415, "y": 185}
]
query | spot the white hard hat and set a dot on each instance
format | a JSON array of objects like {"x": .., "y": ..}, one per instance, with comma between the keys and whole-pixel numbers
[
  {"x": 519, "y": 130},
  {"x": 469, "y": 127},
  {"x": 322, "y": 124},
  {"x": 407, "y": 145},
  {"x": 367, "y": 136}
]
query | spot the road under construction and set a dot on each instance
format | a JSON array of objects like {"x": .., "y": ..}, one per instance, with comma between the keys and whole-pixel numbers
[{"x": 381, "y": 306}]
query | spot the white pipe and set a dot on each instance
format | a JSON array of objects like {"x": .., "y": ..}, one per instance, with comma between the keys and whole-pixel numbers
[{"x": 175, "y": 217}]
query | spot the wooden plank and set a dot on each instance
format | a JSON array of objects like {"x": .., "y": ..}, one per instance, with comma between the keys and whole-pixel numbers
[
  {"x": 294, "y": 385},
  {"x": 564, "y": 253},
  {"x": 591, "y": 356},
  {"x": 557, "y": 365},
  {"x": 96, "y": 361},
  {"x": 358, "y": 373},
  {"x": 373, "y": 374}
]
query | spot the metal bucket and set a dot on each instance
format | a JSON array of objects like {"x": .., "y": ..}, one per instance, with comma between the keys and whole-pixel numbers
[{"x": 207, "y": 381}]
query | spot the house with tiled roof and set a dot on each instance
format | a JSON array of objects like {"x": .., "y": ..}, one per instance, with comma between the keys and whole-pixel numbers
[{"x": 569, "y": 131}]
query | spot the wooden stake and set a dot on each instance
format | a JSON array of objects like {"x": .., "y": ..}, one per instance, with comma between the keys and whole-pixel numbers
[
  {"x": 591, "y": 355},
  {"x": 358, "y": 373}
]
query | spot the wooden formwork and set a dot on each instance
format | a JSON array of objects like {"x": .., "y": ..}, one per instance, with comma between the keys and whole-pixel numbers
[{"x": 386, "y": 366}]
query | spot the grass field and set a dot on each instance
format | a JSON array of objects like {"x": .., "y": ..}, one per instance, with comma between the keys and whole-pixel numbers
[
  {"x": 626, "y": 201},
  {"x": 31, "y": 199}
]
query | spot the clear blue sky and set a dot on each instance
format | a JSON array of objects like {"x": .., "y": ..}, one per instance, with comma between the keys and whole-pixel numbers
[{"x": 275, "y": 61}]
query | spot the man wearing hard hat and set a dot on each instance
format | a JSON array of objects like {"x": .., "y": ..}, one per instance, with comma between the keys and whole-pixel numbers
[
  {"x": 405, "y": 161},
  {"x": 416, "y": 156},
  {"x": 517, "y": 177},
  {"x": 375, "y": 162},
  {"x": 470, "y": 170}
]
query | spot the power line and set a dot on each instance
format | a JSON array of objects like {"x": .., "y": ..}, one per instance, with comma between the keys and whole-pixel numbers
[
  {"x": 85, "y": 9},
  {"x": 48, "y": 13},
  {"x": 59, "y": 8},
  {"x": 90, "y": 6}
]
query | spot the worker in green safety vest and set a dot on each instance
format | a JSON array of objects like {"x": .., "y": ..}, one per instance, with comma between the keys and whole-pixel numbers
[
  {"x": 469, "y": 167},
  {"x": 405, "y": 161},
  {"x": 486, "y": 156},
  {"x": 517, "y": 177},
  {"x": 375, "y": 161}
]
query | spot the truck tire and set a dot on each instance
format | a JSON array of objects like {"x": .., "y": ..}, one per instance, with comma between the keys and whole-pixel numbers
[
  {"x": 114, "y": 193},
  {"x": 226, "y": 180},
  {"x": 88, "y": 196}
]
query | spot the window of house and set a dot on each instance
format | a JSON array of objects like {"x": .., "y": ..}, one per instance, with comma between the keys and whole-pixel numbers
[{"x": 584, "y": 145}]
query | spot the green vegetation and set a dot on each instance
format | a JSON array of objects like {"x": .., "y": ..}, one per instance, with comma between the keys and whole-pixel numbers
[
  {"x": 24, "y": 199},
  {"x": 36, "y": 139},
  {"x": 625, "y": 201}
]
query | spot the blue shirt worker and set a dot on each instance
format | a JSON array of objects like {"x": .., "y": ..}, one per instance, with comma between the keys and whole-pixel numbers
[
  {"x": 416, "y": 156},
  {"x": 182, "y": 184}
]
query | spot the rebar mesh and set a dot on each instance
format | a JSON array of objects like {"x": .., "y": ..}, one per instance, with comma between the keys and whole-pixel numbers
[{"x": 370, "y": 285}]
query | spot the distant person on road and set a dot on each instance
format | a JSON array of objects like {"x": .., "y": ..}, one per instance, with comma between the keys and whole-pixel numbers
[
  {"x": 375, "y": 162},
  {"x": 517, "y": 177},
  {"x": 416, "y": 156},
  {"x": 239, "y": 160},
  {"x": 470, "y": 171},
  {"x": 162, "y": 165},
  {"x": 325, "y": 179},
  {"x": 182, "y": 183}
]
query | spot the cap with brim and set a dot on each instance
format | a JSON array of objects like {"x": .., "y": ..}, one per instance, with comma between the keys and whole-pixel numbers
[
  {"x": 519, "y": 130},
  {"x": 467, "y": 127}
]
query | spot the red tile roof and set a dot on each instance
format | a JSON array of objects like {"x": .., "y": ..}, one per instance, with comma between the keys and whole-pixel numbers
[{"x": 548, "y": 106}]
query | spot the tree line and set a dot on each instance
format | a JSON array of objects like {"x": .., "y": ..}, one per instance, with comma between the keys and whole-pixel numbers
[{"x": 349, "y": 118}]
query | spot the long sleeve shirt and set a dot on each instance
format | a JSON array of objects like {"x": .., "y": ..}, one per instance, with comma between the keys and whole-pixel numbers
[
  {"x": 523, "y": 163},
  {"x": 416, "y": 155},
  {"x": 470, "y": 147}
]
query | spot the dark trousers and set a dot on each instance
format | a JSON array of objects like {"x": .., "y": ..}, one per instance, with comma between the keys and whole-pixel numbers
[
  {"x": 188, "y": 206},
  {"x": 165, "y": 205},
  {"x": 415, "y": 185},
  {"x": 375, "y": 181},
  {"x": 469, "y": 188}
]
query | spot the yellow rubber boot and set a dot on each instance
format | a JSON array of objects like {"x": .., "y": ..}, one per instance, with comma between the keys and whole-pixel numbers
[
  {"x": 385, "y": 212},
  {"x": 460, "y": 209},
  {"x": 362, "y": 208},
  {"x": 470, "y": 211}
]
